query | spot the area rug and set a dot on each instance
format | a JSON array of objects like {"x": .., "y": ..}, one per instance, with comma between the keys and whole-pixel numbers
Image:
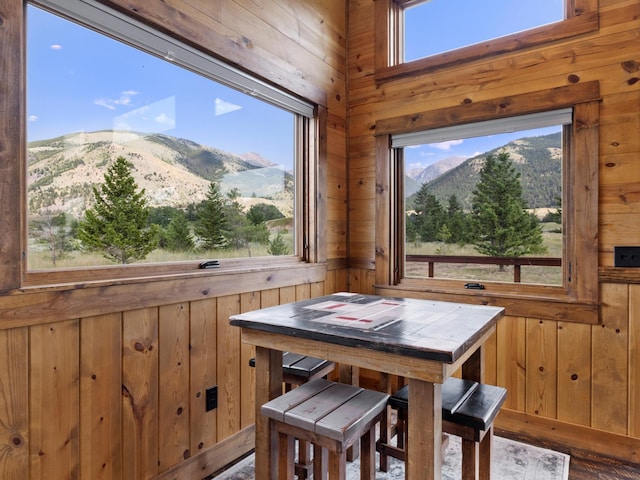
[{"x": 511, "y": 461}]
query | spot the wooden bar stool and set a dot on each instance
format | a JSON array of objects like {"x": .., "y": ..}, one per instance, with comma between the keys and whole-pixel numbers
[
  {"x": 332, "y": 416},
  {"x": 297, "y": 370},
  {"x": 468, "y": 411}
]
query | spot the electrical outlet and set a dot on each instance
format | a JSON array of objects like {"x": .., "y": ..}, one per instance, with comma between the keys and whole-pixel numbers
[
  {"x": 626, "y": 256},
  {"x": 211, "y": 398}
]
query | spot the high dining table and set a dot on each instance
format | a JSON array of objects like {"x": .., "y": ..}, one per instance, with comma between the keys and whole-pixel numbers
[{"x": 423, "y": 341}]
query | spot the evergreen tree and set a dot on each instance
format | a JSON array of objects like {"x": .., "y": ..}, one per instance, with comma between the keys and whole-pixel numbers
[
  {"x": 178, "y": 235},
  {"x": 501, "y": 223},
  {"x": 118, "y": 224},
  {"x": 456, "y": 221},
  {"x": 211, "y": 223},
  {"x": 429, "y": 215},
  {"x": 241, "y": 231},
  {"x": 263, "y": 212},
  {"x": 277, "y": 245}
]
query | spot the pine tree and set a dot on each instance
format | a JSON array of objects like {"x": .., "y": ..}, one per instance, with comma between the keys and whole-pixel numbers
[
  {"x": 501, "y": 223},
  {"x": 178, "y": 235},
  {"x": 118, "y": 224},
  {"x": 429, "y": 216},
  {"x": 211, "y": 224}
]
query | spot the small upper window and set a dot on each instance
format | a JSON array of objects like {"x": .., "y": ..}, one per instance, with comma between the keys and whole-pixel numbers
[
  {"x": 437, "y": 26},
  {"x": 417, "y": 36}
]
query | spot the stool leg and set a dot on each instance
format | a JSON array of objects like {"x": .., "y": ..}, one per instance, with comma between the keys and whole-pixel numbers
[
  {"x": 286, "y": 452},
  {"x": 385, "y": 437},
  {"x": 486, "y": 450},
  {"x": 368, "y": 455},
  {"x": 320, "y": 463},
  {"x": 304, "y": 459},
  {"x": 469, "y": 460},
  {"x": 337, "y": 465}
]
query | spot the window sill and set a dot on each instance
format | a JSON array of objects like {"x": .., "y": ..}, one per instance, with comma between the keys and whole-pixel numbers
[{"x": 549, "y": 306}]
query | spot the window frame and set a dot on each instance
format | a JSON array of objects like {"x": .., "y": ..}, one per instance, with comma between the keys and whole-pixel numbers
[
  {"x": 309, "y": 120},
  {"x": 577, "y": 298},
  {"x": 581, "y": 17}
]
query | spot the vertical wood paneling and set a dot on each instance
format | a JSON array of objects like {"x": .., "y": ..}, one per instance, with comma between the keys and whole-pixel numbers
[
  {"x": 541, "y": 367},
  {"x": 101, "y": 397},
  {"x": 610, "y": 361},
  {"x": 287, "y": 294},
  {"x": 140, "y": 393},
  {"x": 54, "y": 393},
  {"x": 14, "y": 403},
  {"x": 511, "y": 360},
  {"x": 341, "y": 284},
  {"x": 574, "y": 373},
  {"x": 303, "y": 292},
  {"x": 203, "y": 375},
  {"x": 248, "y": 301},
  {"x": 317, "y": 289},
  {"x": 228, "y": 367},
  {"x": 269, "y": 298},
  {"x": 173, "y": 361},
  {"x": 634, "y": 360},
  {"x": 490, "y": 360}
]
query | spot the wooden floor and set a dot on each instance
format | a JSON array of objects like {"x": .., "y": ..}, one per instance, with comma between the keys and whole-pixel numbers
[{"x": 584, "y": 466}]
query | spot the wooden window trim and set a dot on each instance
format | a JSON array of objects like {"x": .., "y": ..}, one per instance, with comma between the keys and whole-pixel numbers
[
  {"x": 582, "y": 17},
  {"x": 14, "y": 276},
  {"x": 577, "y": 299},
  {"x": 310, "y": 148}
]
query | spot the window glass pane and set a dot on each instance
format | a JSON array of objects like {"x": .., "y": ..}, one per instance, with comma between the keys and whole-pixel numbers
[
  {"x": 458, "y": 206},
  {"x": 92, "y": 100},
  {"x": 438, "y": 26}
]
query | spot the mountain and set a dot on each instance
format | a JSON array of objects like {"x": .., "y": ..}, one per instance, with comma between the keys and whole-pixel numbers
[
  {"x": 418, "y": 176},
  {"x": 173, "y": 171},
  {"x": 538, "y": 159}
]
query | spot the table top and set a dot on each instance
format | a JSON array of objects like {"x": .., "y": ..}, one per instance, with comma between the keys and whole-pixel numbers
[{"x": 427, "y": 329}]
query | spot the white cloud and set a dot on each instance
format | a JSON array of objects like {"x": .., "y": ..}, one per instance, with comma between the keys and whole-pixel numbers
[
  {"x": 446, "y": 145},
  {"x": 164, "y": 119},
  {"x": 33, "y": 118},
  {"x": 101, "y": 102},
  {"x": 111, "y": 104},
  {"x": 222, "y": 107},
  {"x": 55, "y": 46}
]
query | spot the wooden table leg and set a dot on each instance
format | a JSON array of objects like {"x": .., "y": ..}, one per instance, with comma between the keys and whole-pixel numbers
[
  {"x": 268, "y": 386},
  {"x": 424, "y": 445},
  {"x": 473, "y": 368}
]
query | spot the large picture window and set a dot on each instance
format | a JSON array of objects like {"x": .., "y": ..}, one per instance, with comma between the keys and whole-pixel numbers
[
  {"x": 421, "y": 230},
  {"x": 144, "y": 150},
  {"x": 483, "y": 201}
]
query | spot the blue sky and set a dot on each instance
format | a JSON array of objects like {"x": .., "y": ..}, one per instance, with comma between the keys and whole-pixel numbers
[
  {"x": 79, "y": 80},
  {"x": 454, "y": 25}
]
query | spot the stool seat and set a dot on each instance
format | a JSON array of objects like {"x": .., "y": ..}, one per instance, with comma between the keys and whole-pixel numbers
[
  {"x": 298, "y": 369},
  {"x": 332, "y": 416},
  {"x": 468, "y": 411}
]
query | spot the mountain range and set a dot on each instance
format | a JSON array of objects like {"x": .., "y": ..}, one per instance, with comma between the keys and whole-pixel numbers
[
  {"x": 173, "y": 171},
  {"x": 63, "y": 171},
  {"x": 537, "y": 159}
]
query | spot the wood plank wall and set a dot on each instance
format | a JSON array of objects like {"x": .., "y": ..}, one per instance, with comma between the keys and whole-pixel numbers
[
  {"x": 107, "y": 381},
  {"x": 571, "y": 383}
]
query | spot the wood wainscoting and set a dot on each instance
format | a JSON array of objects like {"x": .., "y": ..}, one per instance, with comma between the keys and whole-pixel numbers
[{"x": 122, "y": 395}]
